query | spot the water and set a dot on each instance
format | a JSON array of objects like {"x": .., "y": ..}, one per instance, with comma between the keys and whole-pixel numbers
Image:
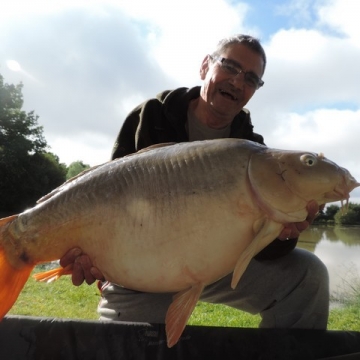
[{"x": 339, "y": 248}]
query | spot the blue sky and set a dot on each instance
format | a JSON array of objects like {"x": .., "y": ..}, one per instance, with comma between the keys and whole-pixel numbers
[
  {"x": 86, "y": 63},
  {"x": 269, "y": 16}
]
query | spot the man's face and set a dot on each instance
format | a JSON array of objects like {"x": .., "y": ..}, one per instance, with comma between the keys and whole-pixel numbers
[{"x": 224, "y": 93}]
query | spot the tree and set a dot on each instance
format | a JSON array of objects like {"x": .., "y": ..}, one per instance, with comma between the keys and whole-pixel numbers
[
  {"x": 326, "y": 215},
  {"x": 27, "y": 170},
  {"x": 19, "y": 132},
  {"x": 349, "y": 216},
  {"x": 76, "y": 168},
  {"x": 331, "y": 210}
]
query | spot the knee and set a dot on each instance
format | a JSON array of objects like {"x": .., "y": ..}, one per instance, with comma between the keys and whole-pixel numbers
[
  {"x": 303, "y": 298},
  {"x": 313, "y": 274},
  {"x": 315, "y": 268}
]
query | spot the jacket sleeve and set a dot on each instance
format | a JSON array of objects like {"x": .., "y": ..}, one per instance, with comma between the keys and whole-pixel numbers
[
  {"x": 125, "y": 141},
  {"x": 137, "y": 131}
]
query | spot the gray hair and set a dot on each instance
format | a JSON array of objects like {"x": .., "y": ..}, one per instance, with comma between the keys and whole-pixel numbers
[{"x": 247, "y": 40}]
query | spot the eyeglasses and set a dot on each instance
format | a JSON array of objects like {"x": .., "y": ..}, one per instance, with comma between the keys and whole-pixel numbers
[{"x": 234, "y": 69}]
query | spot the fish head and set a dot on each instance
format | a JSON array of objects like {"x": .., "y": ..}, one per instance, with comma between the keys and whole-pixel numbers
[{"x": 284, "y": 182}]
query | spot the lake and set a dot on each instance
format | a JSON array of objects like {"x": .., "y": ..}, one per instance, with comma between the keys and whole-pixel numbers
[{"x": 339, "y": 248}]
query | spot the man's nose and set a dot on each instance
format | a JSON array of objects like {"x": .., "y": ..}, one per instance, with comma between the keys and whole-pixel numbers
[{"x": 238, "y": 80}]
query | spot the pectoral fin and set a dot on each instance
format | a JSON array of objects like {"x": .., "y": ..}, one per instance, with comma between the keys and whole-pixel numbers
[
  {"x": 179, "y": 312},
  {"x": 267, "y": 231}
]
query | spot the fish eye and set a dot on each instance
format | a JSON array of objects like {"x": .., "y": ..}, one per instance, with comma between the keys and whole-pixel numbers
[{"x": 308, "y": 159}]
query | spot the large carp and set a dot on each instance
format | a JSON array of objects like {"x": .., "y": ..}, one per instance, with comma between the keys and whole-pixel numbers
[{"x": 171, "y": 219}]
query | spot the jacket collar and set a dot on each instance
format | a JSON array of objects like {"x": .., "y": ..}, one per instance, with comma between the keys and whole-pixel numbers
[{"x": 176, "y": 104}]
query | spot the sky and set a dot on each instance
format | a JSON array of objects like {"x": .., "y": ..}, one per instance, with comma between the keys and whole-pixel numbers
[{"x": 85, "y": 64}]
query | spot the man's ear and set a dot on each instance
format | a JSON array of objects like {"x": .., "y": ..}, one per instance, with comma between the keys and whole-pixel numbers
[{"x": 205, "y": 67}]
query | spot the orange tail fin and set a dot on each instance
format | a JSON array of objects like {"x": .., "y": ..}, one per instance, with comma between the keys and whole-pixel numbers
[
  {"x": 12, "y": 281},
  {"x": 53, "y": 274}
]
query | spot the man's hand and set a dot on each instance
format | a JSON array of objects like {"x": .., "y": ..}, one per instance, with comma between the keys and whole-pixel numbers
[
  {"x": 293, "y": 230},
  {"x": 82, "y": 268}
]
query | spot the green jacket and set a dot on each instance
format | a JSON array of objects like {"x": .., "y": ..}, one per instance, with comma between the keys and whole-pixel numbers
[{"x": 162, "y": 119}]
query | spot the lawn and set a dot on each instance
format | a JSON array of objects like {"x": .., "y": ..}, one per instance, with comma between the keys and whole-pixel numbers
[{"x": 60, "y": 299}]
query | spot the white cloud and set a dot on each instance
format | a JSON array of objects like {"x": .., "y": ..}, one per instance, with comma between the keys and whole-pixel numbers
[
  {"x": 299, "y": 11},
  {"x": 90, "y": 148},
  {"x": 182, "y": 33},
  {"x": 296, "y": 45},
  {"x": 323, "y": 130},
  {"x": 78, "y": 70},
  {"x": 308, "y": 69},
  {"x": 343, "y": 16}
]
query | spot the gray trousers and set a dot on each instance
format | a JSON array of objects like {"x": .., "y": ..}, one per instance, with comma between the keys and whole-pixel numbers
[{"x": 289, "y": 292}]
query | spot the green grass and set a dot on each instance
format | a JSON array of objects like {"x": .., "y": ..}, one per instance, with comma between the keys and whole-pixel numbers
[
  {"x": 221, "y": 315},
  {"x": 345, "y": 319},
  {"x": 60, "y": 299}
]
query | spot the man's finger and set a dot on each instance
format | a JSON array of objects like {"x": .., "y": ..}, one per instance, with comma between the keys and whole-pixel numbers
[
  {"x": 312, "y": 207},
  {"x": 86, "y": 265},
  {"x": 78, "y": 274},
  {"x": 284, "y": 235},
  {"x": 97, "y": 274},
  {"x": 313, "y": 211},
  {"x": 301, "y": 226},
  {"x": 70, "y": 257}
]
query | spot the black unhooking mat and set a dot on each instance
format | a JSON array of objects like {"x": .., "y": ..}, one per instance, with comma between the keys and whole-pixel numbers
[{"x": 24, "y": 337}]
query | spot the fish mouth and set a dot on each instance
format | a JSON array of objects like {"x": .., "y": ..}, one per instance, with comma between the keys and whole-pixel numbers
[
  {"x": 228, "y": 95},
  {"x": 342, "y": 191}
]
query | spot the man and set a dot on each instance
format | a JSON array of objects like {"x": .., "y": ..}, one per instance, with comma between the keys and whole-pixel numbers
[{"x": 286, "y": 285}]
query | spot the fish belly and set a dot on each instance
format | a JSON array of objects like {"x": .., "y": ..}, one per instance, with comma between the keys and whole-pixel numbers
[{"x": 173, "y": 251}]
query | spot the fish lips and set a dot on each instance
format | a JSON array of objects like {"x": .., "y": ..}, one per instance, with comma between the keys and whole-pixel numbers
[{"x": 342, "y": 191}]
